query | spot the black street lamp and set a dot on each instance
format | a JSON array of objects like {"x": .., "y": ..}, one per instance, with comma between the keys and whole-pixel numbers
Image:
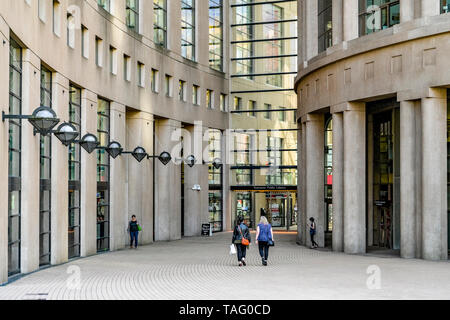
[
  {"x": 114, "y": 149},
  {"x": 164, "y": 157},
  {"x": 43, "y": 119},
  {"x": 66, "y": 133},
  {"x": 89, "y": 142},
  {"x": 138, "y": 153},
  {"x": 190, "y": 161},
  {"x": 216, "y": 163}
]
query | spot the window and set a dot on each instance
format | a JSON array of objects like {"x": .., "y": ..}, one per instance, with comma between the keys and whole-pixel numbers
[
  {"x": 141, "y": 74},
  {"x": 223, "y": 102},
  {"x": 74, "y": 176},
  {"x": 325, "y": 24},
  {"x": 168, "y": 85},
  {"x": 282, "y": 115},
  {"x": 103, "y": 170},
  {"x": 215, "y": 178},
  {"x": 126, "y": 68},
  {"x": 237, "y": 103},
  {"x": 445, "y": 6},
  {"x": 85, "y": 42},
  {"x": 105, "y": 4},
  {"x": 45, "y": 175},
  {"x": 375, "y": 15},
  {"x": 113, "y": 60},
  {"x": 99, "y": 51},
  {"x": 14, "y": 158},
  {"x": 242, "y": 158},
  {"x": 274, "y": 156},
  {"x": 210, "y": 99},
  {"x": 56, "y": 18},
  {"x": 267, "y": 108},
  {"x": 132, "y": 8},
  {"x": 70, "y": 31},
  {"x": 160, "y": 22},
  {"x": 273, "y": 48},
  {"x": 195, "y": 95},
  {"x": 252, "y": 108},
  {"x": 182, "y": 90},
  {"x": 188, "y": 29},
  {"x": 154, "y": 83},
  {"x": 216, "y": 34},
  {"x": 244, "y": 15}
]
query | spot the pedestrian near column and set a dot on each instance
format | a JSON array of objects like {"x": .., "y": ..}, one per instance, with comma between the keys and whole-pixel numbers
[
  {"x": 312, "y": 232},
  {"x": 134, "y": 229},
  {"x": 241, "y": 238},
  {"x": 264, "y": 238}
]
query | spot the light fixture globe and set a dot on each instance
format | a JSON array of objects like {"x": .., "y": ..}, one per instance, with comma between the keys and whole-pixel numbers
[
  {"x": 139, "y": 154},
  {"x": 217, "y": 163},
  {"x": 114, "y": 149},
  {"x": 89, "y": 143},
  {"x": 66, "y": 133},
  {"x": 165, "y": 158},
  {"x": 43, "y": 119},
  {"x": 190, "y": 161}
]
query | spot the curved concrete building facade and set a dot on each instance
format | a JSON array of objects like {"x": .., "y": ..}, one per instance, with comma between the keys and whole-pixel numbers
[
  {"x": 374, "y": 95},
  {"x": 125, "y": 71}
]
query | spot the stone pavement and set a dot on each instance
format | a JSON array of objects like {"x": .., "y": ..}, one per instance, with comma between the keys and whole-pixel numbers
[{"x": 202, "y": 269}]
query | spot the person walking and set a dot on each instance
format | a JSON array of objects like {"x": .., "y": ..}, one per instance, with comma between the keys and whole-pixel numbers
[
  {"x": 264, "y": 237},
  {"x": 312, "y": 232},
  {"x": 133, "y": 227},
  {"x": 241, "y": 238}
]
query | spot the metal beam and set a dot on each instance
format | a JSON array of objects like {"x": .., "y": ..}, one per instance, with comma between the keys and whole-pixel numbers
[
  {"x": 260, "y": 91},
  {"x": 260, "y": 3},
  {"x": 262, "y": 74},
  {"x": 263, "y": 40},
  {"x": 266, "y": 57},
  {"x": 259, "y": 110},
  {"x": 262, "y": 22}
]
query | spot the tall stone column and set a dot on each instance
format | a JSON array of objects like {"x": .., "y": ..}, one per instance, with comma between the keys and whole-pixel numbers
[
  {"x": 226, "y": 172},
  {"x": 406, "y": 10},
  {"x": 118, "y": 209},
  {"x": 431, "y": 8},
  {"x": 303, "y": 190},
  {"x": 88, "y": 188},
  {"x": 195, "y": 201},
  {"x": 299, "y": 182},
  {"x": 350, "y": 19},
  {"x": 30, "y": 165},
  {"x": 139, "y": 131},
  {"x": 338, "y": 182},
  {"x": 4, "y": 149},
  {"x": 434, "y": 175},
  {"x": 168, "y": 182},
  {"x": 407, "y": 179},
  {"x": 354, "y": 178},
  {"x": 338, "y": 21},
  {"x": 315, "y": 176},
  {"x": 60, "y": 176}
]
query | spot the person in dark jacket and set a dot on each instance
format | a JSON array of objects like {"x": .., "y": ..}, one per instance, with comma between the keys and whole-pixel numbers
[
  {"x": 241, "y": 231},
  {"x": 134, "y": 232},
  {"x": 312, "y": 233}
]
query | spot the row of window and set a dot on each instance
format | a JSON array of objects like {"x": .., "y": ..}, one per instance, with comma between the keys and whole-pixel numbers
[{"x": 267, "y": 113}]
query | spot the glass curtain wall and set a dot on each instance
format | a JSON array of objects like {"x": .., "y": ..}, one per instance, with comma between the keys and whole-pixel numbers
[
  {"x": 188, "y": 29},
  {"x": 14, "y": 157},
  {"x": 103, "y": 175},
  {"x": 45, "y": 175},
  {"x": 242, "y": 176},
  {"x": 244, "y": 15},
  {"x": 160, "y": 22},
  {"x": 216, "y": 34},
  {"x": 273, "y": 12},
  {"x": 215, "y": 181},
  {"x": 74, "y": 175}
]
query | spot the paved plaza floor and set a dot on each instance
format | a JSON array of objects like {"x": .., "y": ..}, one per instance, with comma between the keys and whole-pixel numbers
[{"x": 202, "y": 269}]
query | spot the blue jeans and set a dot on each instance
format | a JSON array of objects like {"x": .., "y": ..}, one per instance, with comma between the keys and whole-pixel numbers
[
  {"x": 263, "y": 249},
  {"x": 134, "y": 238}
]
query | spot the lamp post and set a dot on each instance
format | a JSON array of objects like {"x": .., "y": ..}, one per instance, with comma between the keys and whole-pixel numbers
[
  {"x": 66, "y": 133},
  {"x": 43, "y": 119},
  {"x": 114, "y": 149},
  {"x": 89, "y": 142}
]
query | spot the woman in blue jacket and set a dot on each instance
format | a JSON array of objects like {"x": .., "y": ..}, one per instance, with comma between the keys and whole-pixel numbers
[{"x": 264, "y": 235}]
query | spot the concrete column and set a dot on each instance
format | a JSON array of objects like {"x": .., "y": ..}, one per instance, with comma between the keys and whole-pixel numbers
[
  {"x": 303, "y": 190},
  {"x": 406, "y": 10},
  {"x": 195, "y": 202},
  {"x": 350, "y": 20},
  {"x": 338, "y": 21},
  {"x": 407, "y": 179},
  {"x": 434, "y": 175},
  {"x": 30, "y": 165},
  {"x": 354, "y": 178},
  {"x": 299, "y": 182},
  {"x": 4, "y": 149},
  {"x": 118, "y": 209},
  {"x": 431, "y": 8},
  {"x": 311, "y": 29},
  {"x": 226, "y": 205},
  {"x": 140, "y": 174},
  {"x": 338, "y": 182},
  {"x": 168, "y": 182},
  {"x": 88, "y": 228},
  {"x": 314, "y": 176},
  {"x": 418, "y": 177},
  {"x": 60, "y": 176}
]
